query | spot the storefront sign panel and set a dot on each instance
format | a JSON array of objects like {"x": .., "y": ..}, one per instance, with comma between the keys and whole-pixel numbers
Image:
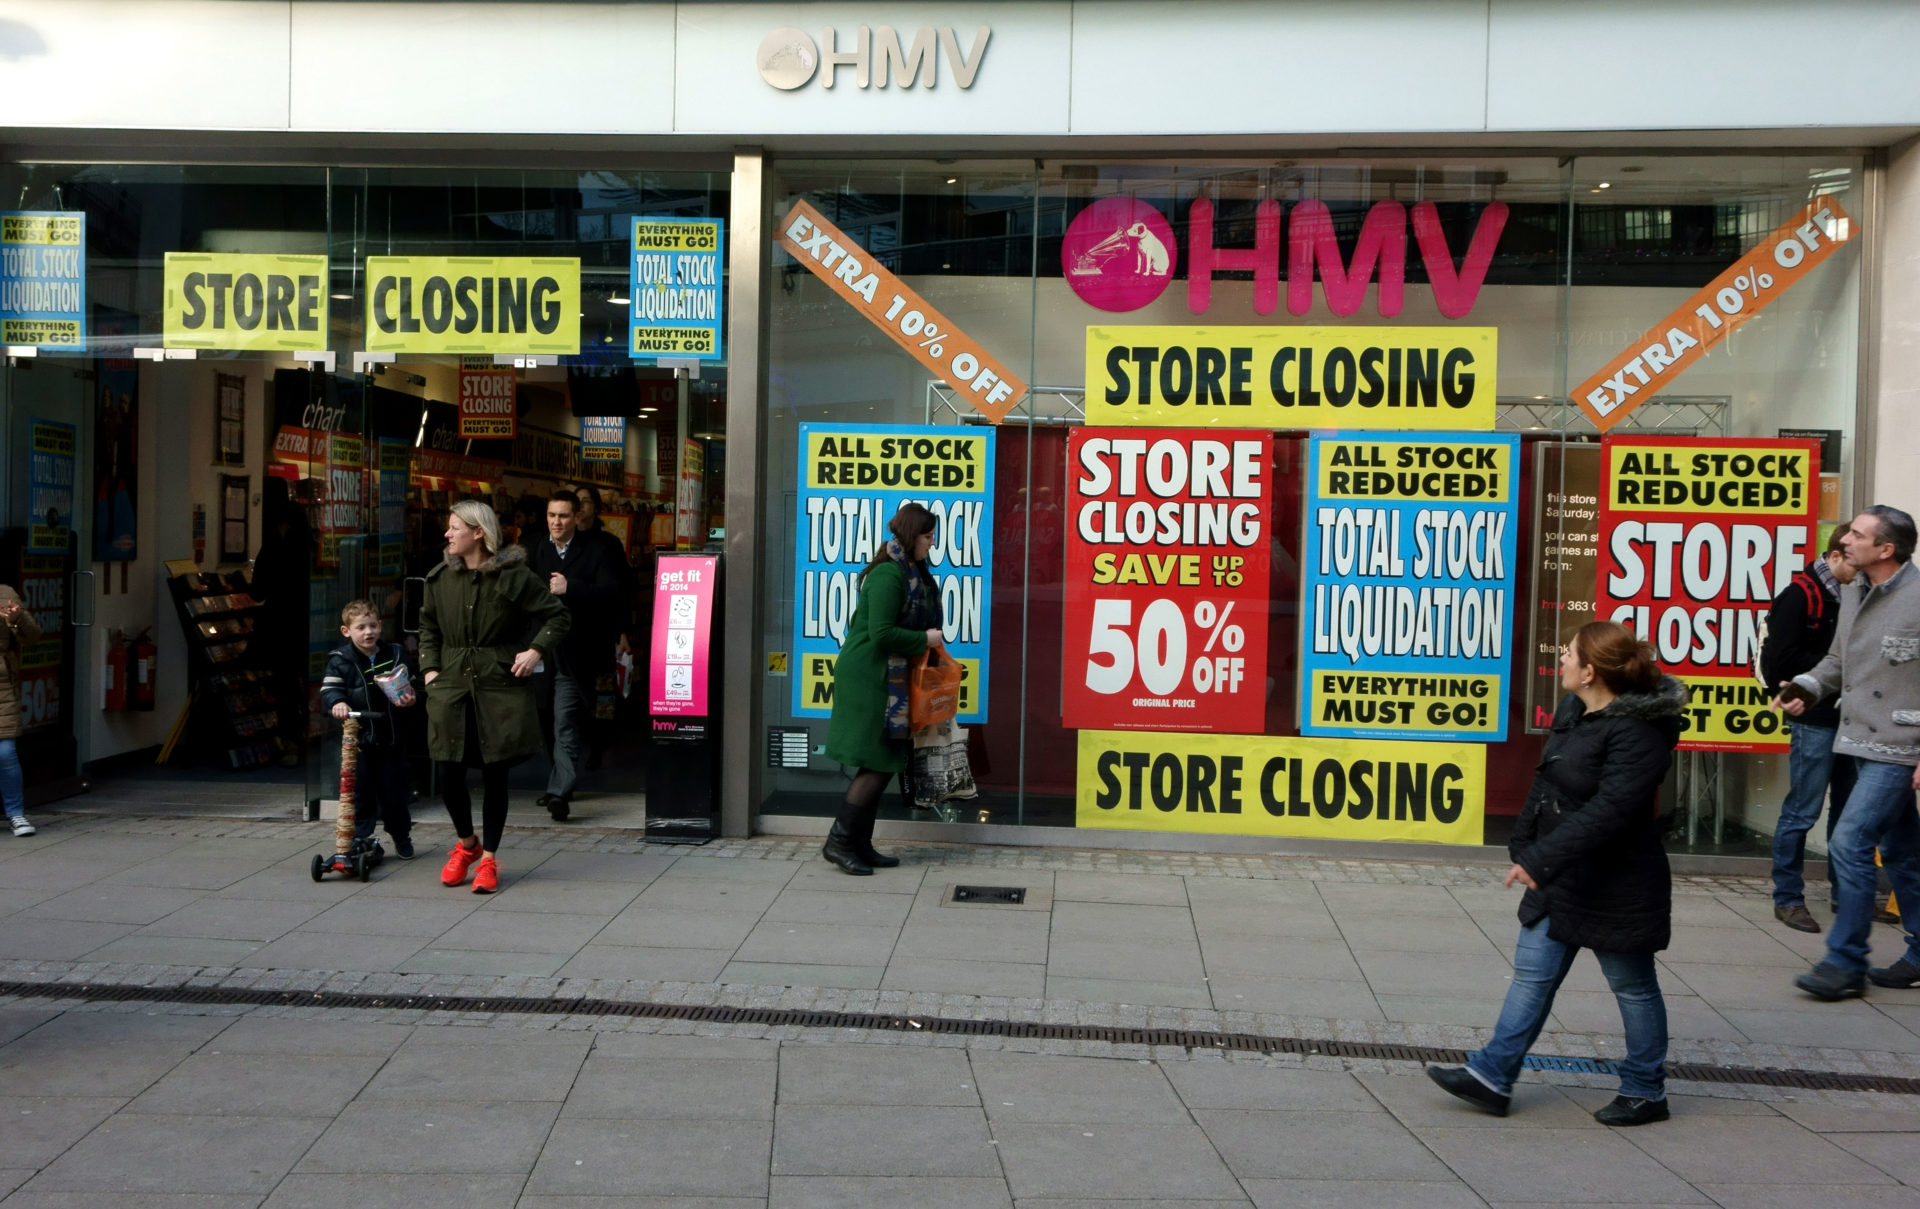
[
  {"x": 908, "y": 319},
  {"x": 1566, "y": 559},
  {"x": 340, "y": 515},
  {"x": 1697, "y": 537},
  {"x": 244, "y": 302},
  {"x": 1168, "y": 551},
  {"x": 526, "y": 305},
  {"x": 603, "y": 439},
  {"x": 1293, "y": 377},
  {"x": 689, "y": 509},
  {"x": 853, "y": 478},
  {"x": 43, "y": 279},
  {"x": 675, "y": 288},
  {"x": 682, "y": 634},
  {"x": 488, "y": 404},
  {"x": 1407, "y": 585},
  {"x": 396, "y": 459},
  {"x": 1333, "y": 789},
  {"x": 1671, "y": 347},
  {"x": 43, "y": 589},
  {"x": 50, "y": 487}
]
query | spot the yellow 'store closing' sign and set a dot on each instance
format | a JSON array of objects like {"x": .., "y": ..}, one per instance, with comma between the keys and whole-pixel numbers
[
  {"x": 473, "y": 304},
  {"x": 245, "y": 302},
  {"x": 1343, "y": 789},
  {"x": 1293, "y": 377}
]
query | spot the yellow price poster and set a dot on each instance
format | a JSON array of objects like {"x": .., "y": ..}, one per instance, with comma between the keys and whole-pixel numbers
[
  {"x": 1293, "y": 377},
  {"x": 525, "y": 305},
  {"x": 1334, "y": 789},
  {"x": 1730, "y": 713},
  {"x": 244, "y": 302},
  {"x": 816, "y": 682}
]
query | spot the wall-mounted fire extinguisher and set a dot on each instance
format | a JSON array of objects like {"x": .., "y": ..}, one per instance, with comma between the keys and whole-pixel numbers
[
  {"x": 114, "y": 698},
  {"x": 144, "y": 658}
]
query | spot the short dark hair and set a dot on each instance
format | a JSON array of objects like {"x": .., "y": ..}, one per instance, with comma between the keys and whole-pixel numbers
[
  {"x": 593, "y": 493},
  {"x": 568, "y": 498},
  {"x": 1834, "y": 544},
  {"x": 1895, "y": 528}
]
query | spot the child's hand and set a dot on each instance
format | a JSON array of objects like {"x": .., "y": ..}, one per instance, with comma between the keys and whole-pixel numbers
[{"x": 340, "y": 709}]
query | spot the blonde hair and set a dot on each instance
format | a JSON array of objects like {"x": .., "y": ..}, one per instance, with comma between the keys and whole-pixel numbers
[
  {"x": 477, "y": 515},
  {"x": 358, "y": 608}
]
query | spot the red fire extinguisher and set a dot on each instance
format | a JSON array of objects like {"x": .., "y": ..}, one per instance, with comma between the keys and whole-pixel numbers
[
  {"x": 144, "y": 658},
  {"x": 116, "y": 682}
]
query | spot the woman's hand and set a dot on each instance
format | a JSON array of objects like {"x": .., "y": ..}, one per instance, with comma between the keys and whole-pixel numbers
[
  {"x": 429, "y": 677},
  {"x": 525, "y": 662},
  {"x": 936, "y": 641},
  {"x": 1517, "y": 874}
]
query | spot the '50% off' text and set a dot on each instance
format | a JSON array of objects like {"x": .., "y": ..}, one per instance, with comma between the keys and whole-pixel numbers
[{"x": 1157, "y": 650}]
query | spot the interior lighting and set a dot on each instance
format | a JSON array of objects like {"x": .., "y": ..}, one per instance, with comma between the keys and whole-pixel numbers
[
  {"x": 341, "y": 297},
  {"x": 619, "y": 300},
  {"x": 953, "y": 180},
  {"x": 1606, "y": 184}
]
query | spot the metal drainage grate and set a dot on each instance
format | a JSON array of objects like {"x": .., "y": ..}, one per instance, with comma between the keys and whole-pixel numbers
[
  {"x": 1192, "y": 1039},
  {"x": 1578, "y": 1066},
  {"x": 990, "y": 894}
]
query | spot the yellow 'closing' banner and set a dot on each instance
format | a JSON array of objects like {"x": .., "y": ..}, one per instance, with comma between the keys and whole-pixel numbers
[
  {"x": 473, "y": 304},
  {"x": 244, "y": 301},
  {"x": 1336, "y": 789},
  {"x": 1293, "y": 377}
]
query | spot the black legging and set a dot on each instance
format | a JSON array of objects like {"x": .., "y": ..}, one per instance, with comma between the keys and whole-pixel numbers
[
  {"x": 493, "y": 791},
  {"x": 862, "y": 802}
]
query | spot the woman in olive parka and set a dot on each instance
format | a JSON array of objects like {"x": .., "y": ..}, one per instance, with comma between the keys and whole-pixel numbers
[
  {"x": 481, "y": 603},
  {"x": 897, "y": 618}
]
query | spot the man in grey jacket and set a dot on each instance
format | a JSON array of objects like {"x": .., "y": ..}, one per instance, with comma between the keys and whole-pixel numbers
[{"x": 1874, "y": 665}]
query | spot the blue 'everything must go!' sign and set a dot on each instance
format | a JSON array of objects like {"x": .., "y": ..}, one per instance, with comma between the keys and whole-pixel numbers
[
  {"x": 1407, "y": 582},
  {"x": 43, "y": 279},
  {"x": 677, "y": 288}
]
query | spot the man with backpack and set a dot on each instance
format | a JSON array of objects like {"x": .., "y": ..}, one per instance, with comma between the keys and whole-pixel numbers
[{"x": 1799, "y": 630}]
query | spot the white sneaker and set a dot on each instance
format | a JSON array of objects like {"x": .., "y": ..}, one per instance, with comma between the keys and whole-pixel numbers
[{"x": 21, "y": 826}]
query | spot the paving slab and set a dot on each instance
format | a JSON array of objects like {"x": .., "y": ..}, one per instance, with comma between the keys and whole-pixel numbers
[
  {"x": 1008, "y": 979},
  {"x": 1589, "y": 1166},
  {"x": 299, "y": 1191},
  {"x": 1128, "y": 991},
  {"x": 1150, "y": 889},
  {"x": 786, "y": 974},
  {"x": 1330, "y": 999},
  {"x": 1061, "y": 1090},
  {"x": 678, "y": 1159},
  {"x": 877, "y": 1075},
  {"x": 144, "y": 1153},
  {"x": 259, "y": 1085},
  {"x": 640, "y": 964},
  {"x": 887, "y": 1192},
  {"x": 281, "y": 1035},
  {"x": 488, "y": 1070},
  {"x": 497, "y": 1138},
  {"x": 706, "y": 1089},
  {"x": 825, "y": 944},
  {"x": 39, "y": 1129},
  {"x": 1361, "y": 1194},
  {"x": 1249, "y": 1085},
  {"x": 648, "y": 926},
  {"x": 1318, "y": 1144},
  {"x": 112, "y": 903},
  {"x": 37, "y": 939},
  {"x": 836, "y": 1140},
  {"x": 1112, "y": 1162}
]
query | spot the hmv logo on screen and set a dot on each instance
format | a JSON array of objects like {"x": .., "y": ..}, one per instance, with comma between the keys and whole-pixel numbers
[{"x": 1119, "y": 255}]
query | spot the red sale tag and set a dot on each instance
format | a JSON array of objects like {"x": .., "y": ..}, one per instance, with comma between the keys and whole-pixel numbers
[{"x": 1167, "y": 577}]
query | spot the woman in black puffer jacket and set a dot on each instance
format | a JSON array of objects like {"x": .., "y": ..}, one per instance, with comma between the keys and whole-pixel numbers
[{"x": 1587, "y": 848}]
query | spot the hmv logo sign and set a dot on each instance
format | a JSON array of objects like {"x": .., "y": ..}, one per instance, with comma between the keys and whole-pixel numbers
[{"x": 1119, "y": 253}]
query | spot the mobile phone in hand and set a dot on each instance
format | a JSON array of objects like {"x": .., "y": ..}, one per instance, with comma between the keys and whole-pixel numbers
[{"x": 1793, "y": 690}]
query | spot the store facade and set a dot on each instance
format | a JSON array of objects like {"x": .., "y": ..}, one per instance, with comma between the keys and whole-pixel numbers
[{"x": 1280, "y": 428}]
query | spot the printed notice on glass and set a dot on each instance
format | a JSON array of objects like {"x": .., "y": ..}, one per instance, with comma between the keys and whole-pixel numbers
[
  {"x": 50, "y": 487},
  {"x": 43, "y": 279},
  {"x": 682, "y": 635},
  {"x": 675, "y": 288},
  {"x": 488, "y": 402},
  {"x": 1407, "y": 618},
  {"x": 603, "y": 438},
  {"x": 853, "y": 478},
  {"x": 1167, "y": 580},
  {"x": 1698, "y": 534}
]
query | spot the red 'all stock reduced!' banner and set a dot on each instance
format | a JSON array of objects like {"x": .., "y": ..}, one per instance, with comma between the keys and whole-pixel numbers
[
  {"x": 1697, "y": 536},
  {"x": 1166, "y": 593}
]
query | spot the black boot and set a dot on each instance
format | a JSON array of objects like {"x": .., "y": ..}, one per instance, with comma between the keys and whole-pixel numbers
[
  {"x": 842, "y": 850},
  {"x": 862, "y": 834}
]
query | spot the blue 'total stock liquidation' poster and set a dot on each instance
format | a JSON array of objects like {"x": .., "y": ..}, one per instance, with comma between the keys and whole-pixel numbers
[
  {"x": 1407, "y": 585},
  {"x": 853, "y": 478}
]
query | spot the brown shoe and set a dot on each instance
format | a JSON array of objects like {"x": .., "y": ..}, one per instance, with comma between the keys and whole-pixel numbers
[{"x": 1798, "y": 918}]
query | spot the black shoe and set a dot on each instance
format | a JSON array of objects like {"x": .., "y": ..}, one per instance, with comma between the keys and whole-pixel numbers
[
  {"x": 1460, "y": 1082},
  {"x": 1625, "y": 1111},
  {"x": 403, "y": 847},
  {"x": 559, "y": 808},
  {"x": 1831, "y": 983},
  {"x": 1902, "y": 974},
  {"x": 865, "y": 850},
  {"x": 840, "y": 851}
]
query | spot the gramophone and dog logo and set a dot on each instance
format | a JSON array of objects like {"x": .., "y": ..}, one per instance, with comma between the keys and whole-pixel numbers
[{"x": 1118, "y": 254}]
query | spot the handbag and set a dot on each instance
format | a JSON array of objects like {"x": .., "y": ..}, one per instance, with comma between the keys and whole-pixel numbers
[
  {"x": 933, "y": 691},
  {"x": 939, "y": 772}
]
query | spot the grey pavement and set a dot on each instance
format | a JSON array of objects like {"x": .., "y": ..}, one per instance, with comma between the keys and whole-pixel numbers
[{"x": 106, "y": 1103}]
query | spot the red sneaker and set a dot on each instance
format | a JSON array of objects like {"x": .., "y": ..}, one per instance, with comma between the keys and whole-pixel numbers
[
  {"x": 458, "y": 862},
  {"x": 486, "y": 876}
]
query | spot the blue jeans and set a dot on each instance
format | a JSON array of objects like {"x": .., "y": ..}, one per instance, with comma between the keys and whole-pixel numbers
[
  {"x": 12, "y": 784},
  {"x": 1540, "y": 964},
  {"x": 1812, "y": 769},
  {"x": 1879, "y": 815},
  {"x": 569, "y": 728}
]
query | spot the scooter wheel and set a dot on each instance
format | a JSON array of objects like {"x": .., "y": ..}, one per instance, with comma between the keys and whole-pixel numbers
[
  {"x": 319, "y": 866},
  {"x": 363, "y": 867}
]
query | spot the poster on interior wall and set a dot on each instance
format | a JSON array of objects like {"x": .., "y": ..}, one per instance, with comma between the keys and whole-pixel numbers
[
  {"x": 1428, "y": 378},
  {"x": 1279, "y": 786},
  {"x": 116, "y": 433},
  {"x": 1168, "y": 548},
  {"x": 43, "y": 279},
  {"x": 603, "y": 438},
  {"x": 396, "y": 458},
  {"x": 1698, "y": 534},
  {"x": 1407, "y": 583},
  {"x": 341, "y": 495},
  {"x": 853, "y": 478},
  {"x": 677, "y": 272},
  {"x": 487, "y": 400},
  {"x": 50, "y": 486},
  {"x": 689, "y": 509},
  {"x": 244, "y": 302},
  {"x": 1566, "y": 561}
]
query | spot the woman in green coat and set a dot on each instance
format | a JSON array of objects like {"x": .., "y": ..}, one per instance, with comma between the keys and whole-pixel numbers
[
  {"x": 480, "y": 605},
  {"x": 896, "y": 619}
]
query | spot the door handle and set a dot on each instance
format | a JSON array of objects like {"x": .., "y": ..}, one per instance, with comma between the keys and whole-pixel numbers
[{"x": 76, "y": 596}]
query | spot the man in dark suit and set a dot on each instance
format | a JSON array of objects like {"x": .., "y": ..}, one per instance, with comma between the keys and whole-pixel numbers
[{"x": 581, "y": 572}]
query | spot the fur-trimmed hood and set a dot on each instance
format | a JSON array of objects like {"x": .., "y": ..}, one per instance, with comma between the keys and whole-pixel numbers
[
  {"x": 513, "y": 554},
  {"x": 1664, "y": 700}
]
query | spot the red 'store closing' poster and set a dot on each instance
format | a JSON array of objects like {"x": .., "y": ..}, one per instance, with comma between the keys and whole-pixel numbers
[
  {"x": 1697, "y": 536},
  {"x": 1166, "y": 580}
]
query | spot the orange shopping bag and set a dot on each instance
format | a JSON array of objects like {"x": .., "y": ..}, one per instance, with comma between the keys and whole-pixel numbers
[{"x": 933, "y": 691}]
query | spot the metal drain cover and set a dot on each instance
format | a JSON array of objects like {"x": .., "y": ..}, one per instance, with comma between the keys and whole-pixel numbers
[{"x": 990, "y": 894}]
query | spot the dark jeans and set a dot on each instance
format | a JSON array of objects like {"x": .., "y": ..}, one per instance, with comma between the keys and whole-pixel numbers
[
  {"x": 1880, "y": 814},
  {"x": 1814, "y": 774},
  {"x": 382, "y": 793}
]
